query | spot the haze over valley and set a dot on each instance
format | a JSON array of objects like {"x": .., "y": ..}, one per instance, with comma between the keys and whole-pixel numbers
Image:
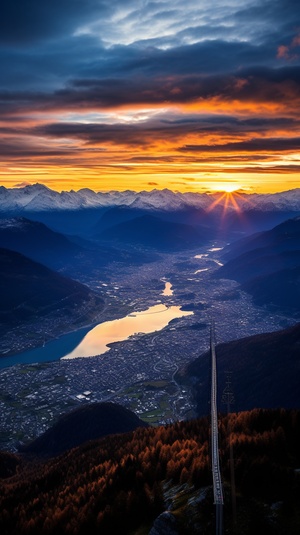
[
  {"x": 114, "y": 273},
  {"x": 117, "y": 315}
]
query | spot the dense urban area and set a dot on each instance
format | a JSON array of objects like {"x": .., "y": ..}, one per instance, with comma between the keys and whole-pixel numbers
[{"x": 139, "y": 371}]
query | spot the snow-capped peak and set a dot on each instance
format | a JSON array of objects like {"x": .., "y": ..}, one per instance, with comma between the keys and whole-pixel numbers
[{"x": 41, "y": 198}]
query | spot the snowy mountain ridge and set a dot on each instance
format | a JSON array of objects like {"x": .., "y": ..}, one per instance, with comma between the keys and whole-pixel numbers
[{"x": 37, "y": 197}]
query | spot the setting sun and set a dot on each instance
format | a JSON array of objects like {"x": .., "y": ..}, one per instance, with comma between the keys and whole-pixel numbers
[{"x": 225, "y": 187}]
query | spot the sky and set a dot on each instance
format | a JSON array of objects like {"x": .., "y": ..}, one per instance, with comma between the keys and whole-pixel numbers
[{"x": 135, "y": 94}]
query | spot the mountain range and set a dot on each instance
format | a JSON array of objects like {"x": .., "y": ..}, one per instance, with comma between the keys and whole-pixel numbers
[
  {"x": 76, "y": 257},
  {"x": 37, "y": 241},
  {"x": 84, "y": 212},
  {"x": 38, "y": 197}
]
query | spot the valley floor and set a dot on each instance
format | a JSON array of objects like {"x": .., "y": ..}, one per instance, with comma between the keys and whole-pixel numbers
[{"x": 138, "y": 372}]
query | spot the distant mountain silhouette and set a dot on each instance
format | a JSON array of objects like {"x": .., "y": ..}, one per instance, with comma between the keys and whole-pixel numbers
[
  {"x": 268, "y": 265},
  {"x": 282, "y": 238},
  {"x": 37, "y": 241},
  {"x": 265, "y": 371},
  {"x": 88, "y": 422},
  {"x": 258, "y": 262},
  {"x": 151, "y": 231},
  {"x": 256, "y": 220},
  {"x": 29, "y": 289},
  {"x": 116, "y": 215},
  {"x": 280, "y": 289},
  {"x": 77, "y": 257},
  {"x": 186, "y": 215}
]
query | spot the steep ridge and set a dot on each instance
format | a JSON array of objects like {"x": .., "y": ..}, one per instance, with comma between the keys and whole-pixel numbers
[
  {"x": 281, "y": 238},
  {"x": 37, "y": 241},
  {"x": 31, "y": 291},
  {"x": 265, "y": 368},
  {"x": 268, "y": 266}
]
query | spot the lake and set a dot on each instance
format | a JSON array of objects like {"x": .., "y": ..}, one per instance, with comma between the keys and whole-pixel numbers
[
  {"x": 89, "y": 342},
  {"x": 168, "y": 289}
]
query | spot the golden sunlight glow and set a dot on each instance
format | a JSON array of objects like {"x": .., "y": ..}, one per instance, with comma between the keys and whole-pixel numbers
[
  {"x": 227, "y": 187},
  {"x": 137, "y": 147}
]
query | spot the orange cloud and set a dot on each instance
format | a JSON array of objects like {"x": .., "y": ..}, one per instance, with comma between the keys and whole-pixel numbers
[
  {"x": 284, "y": 51},
  {"x": 296, "y": 41}
]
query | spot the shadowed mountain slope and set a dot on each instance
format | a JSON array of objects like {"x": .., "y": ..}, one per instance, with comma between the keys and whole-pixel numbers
[
  {"x": 77, "y": 257},
  {"x": 38, "y": 304},
  {"x": 265, "y": 368},
  {"x": 282, "y": 238},
  {"x": 37, "y": 241},
  {"x": 152, "y": 231},
  {"x": 268, "y": 266},
  {"x": 30, "y": 290}
]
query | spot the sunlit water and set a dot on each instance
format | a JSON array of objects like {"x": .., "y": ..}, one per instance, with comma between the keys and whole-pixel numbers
[
  {"x": 153, "y": 319},
  {"x": 168, "y": 290}
]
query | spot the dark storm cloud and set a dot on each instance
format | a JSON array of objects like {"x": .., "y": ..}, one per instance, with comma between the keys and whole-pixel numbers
[
  {"x": 64, "y": 59},
  {"x": 252, "y": 145},
  {"x": 217, "y": 45},
  {"x": 269, "y": 16},
  {"x": 148, "y": 132},
  {"x": 253, "y": 85},
  {"x": 248, "y": 85},
  {"x": 26, "y": 21},
  {"x": 18, "y": 148},
  {"x": 84, "y": 58}
]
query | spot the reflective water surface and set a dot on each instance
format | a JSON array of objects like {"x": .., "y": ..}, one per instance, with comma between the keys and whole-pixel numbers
[
  {"x": 168, "y": 289},
  {"x": 97, "y": 339}
]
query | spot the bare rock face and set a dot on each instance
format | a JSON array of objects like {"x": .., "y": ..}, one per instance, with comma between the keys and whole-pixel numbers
[{"x": 165, "y": 524}]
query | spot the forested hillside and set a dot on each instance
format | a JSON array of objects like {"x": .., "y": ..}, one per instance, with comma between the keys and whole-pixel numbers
[{"x": 122, "y": 483}]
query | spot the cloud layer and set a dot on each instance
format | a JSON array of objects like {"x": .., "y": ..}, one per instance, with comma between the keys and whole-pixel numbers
[{"x": 110, "y": 92}]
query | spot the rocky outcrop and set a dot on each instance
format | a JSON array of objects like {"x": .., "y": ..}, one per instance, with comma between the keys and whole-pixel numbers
[{"x": 165, "y": 524}]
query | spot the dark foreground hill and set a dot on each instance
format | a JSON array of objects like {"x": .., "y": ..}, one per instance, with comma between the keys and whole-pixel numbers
[
  {"x": 85, "y": 423},
  {"x": 30, "y": 291},
  {"x": 120, "y": 484},
  {"x": 265, "y": 371}
]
